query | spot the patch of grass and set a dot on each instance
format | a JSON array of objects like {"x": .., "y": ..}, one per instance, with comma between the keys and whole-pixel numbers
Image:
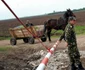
[
  {"x": 5, "y": 48},
  {"x": 56, "y": 32},
  {"x": 5, "y": 38},
  {"x": 80, "y": 29},
  {"x": 2, "y": 38}
]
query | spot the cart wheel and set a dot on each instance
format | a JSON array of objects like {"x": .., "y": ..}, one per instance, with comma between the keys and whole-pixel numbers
[
  {"x": 31, "y": 40},
  {"x": 43, "y": 38},
  {"x": 13, "y": 41},
  {"x": 25, "y": 40}
]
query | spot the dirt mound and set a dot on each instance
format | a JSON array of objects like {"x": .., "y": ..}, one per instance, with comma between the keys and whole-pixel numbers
[
  {"x": 19, "y": 59},
  {"x": 60, "y": 60},
  {"x": 29, "y": 61}
]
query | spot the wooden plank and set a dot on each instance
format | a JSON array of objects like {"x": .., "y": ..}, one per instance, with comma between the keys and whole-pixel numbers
[{"x": 20, "y": 32}]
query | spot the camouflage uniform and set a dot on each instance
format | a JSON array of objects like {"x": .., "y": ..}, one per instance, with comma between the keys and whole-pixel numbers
[
  {"x": 70, "y": 38},
  {"x": 74, "y": 55}
]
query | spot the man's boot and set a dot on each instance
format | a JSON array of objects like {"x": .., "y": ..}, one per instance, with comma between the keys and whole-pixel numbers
[
  {"x": 73, "y": 67},
  {"x": 80, "y": 67}
]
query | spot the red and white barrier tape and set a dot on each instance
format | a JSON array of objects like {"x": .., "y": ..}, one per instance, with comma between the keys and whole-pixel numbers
[{"x": 45, "y": 60}]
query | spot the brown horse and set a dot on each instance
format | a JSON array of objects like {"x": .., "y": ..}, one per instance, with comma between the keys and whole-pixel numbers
[{"x": 57, "y": 24}]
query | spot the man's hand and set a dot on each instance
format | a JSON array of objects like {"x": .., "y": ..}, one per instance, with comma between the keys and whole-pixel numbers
[
  {"x": 57, "y": 43},
  {"x": 66, "y": 44}
]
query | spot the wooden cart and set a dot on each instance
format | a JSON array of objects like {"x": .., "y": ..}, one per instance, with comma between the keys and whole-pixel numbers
[{"x": 23, "y": 33}]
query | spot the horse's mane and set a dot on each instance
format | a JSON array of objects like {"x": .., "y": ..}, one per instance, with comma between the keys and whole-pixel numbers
[{"x": 66, "y": 14}]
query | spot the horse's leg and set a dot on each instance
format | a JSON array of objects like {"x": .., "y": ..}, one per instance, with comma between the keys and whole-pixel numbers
[{"x": 48, "y": 34}]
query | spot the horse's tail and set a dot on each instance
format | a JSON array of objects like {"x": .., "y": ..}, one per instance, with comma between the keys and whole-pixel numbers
[{"x": 45, "y": 24}]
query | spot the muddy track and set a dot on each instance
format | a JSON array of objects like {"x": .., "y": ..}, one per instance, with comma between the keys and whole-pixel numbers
[{"x": 27, "y": 57}]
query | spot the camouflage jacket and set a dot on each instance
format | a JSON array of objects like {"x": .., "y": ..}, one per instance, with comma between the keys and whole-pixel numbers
[{"x": 69, "y": 34}]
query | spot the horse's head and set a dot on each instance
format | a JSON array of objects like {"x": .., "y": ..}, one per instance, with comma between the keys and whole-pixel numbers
[{"x": 69, "y": 13}]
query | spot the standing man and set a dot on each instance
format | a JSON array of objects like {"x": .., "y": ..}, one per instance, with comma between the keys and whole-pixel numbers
[{"x": 70, "y": 38}]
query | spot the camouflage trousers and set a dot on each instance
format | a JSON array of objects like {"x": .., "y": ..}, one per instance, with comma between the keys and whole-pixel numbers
[{"x": 74, "y": 54}]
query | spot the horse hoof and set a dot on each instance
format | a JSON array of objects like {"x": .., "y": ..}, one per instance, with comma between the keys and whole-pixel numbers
[{"x": 50, "y": 41}]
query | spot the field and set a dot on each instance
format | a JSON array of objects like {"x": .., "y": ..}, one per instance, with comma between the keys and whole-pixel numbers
[
  {"x": 24, "y": 56},
  {"x": 5, "y": 25}
]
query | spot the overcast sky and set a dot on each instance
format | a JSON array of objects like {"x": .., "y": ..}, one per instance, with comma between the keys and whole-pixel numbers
[{"x": 26, "y": 8}]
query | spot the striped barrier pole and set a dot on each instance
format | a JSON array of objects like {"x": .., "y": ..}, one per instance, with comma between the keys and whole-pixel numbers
[{"x": 45, "y": 60}]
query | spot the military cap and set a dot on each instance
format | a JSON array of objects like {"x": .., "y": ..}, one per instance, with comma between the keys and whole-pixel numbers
[{"x": 71, "y": 18}]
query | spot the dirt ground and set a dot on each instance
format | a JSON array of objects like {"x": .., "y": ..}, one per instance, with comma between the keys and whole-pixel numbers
[{"x": 28, "y": 56}]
